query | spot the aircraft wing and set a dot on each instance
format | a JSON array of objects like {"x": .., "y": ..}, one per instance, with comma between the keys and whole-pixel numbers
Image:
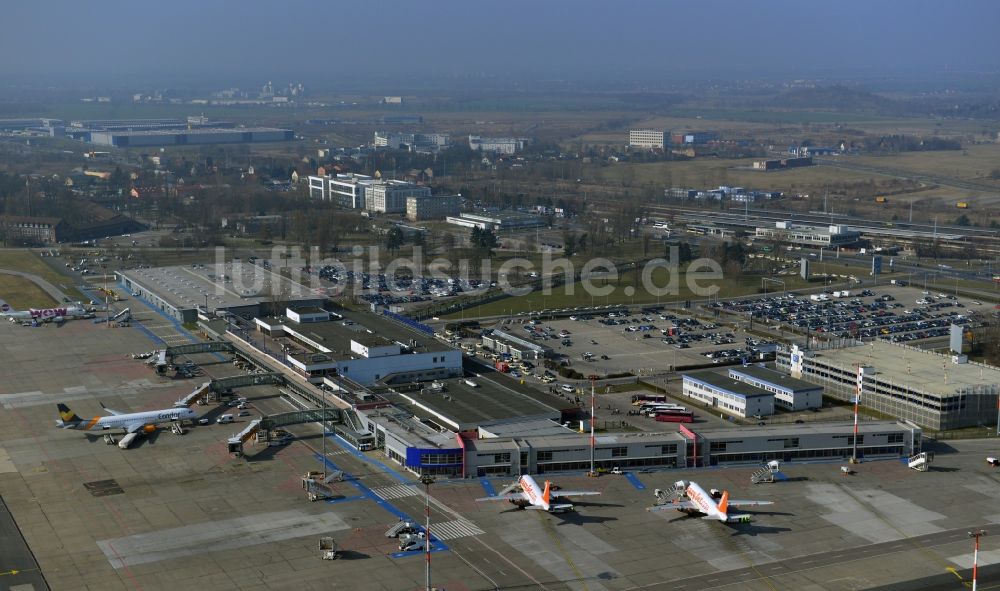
[
  {"x": 510, "y": 497},
  {"x": 133, "y": 427},
  {"x": 111, "y": 410},
  {"x": 744, "y": 503},
  {"x": 574, "y": 493},
  {"x": 677, "y": 506}
]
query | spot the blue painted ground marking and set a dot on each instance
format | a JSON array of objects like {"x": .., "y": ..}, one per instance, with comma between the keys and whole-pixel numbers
[
  {"x": 488, "y": 487},
  {"x": 634, "y": 480},
  {"x": 354, "y": 451},
  {"x": 439, "y": 546}
]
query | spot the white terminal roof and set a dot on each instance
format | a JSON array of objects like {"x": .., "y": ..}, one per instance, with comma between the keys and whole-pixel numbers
[
  {"x": 226, "y": 285},
  {"x": 917, "y": 369}
]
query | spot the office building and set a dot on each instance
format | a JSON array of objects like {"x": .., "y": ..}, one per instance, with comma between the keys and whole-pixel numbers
[
  {"x": 815, "y": 236},
  {"x": 647, "y": 138},
  {"x": 34, "y": 230},
  {"x": 500, "y": 145},
  {"x": 414, "y": 142},
  {"x": 432, "y": 207},
  {"x": 345, "y": 190},
  {"x": 729, "y": 396},
  {"x": 789, "y": 393},
  {"x": 391, "y": 196}
]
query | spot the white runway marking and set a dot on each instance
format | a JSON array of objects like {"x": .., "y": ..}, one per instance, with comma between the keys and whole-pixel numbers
[{"x": 191, "y": 540}]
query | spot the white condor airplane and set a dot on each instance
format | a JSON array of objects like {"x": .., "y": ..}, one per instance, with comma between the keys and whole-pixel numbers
[
  {"x": 697, "y": 501},
  {"x": 130, "y": 422},
  {"x": 534, "y": 497},
  {"x": 57, "y": 314}
]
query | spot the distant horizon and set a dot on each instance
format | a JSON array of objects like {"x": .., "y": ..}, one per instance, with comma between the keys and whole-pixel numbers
[{"x": 580, "y": 43}]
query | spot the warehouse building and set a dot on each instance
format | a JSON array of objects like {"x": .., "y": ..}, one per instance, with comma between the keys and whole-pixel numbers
[
  {"x": 789, "y": 393},
  {"x": 498, "y": 221},
  {"x": 923, "y": 387},
  {"x": 243, "y": 135},
  {"x": 728, "y": 395}
]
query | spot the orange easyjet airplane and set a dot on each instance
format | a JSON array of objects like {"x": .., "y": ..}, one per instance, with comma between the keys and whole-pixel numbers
[{"x": 533, "y": 497}]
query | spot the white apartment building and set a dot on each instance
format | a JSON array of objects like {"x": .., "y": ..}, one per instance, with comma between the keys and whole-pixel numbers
[{"x": 647, "y": 138}]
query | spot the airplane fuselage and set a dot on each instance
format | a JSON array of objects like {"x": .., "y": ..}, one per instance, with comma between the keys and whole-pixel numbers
[
  {"x": 122, "y": 421},
  {"x": 704, "y": 501}
]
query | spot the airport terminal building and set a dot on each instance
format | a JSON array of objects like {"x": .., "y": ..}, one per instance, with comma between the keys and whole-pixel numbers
[{"x": 181, "y": 292}]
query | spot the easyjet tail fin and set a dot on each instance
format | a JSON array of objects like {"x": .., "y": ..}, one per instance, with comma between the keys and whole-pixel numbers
[
  {"x": 724, "y": 502},
  {"x": 547, "y": 492}
]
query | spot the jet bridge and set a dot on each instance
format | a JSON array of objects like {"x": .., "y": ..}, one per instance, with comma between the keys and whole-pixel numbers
[
  {"x": 196, "y": 348},
  {"x": 196, "y": 396},
  {"x": 270, "y": 423},
  {"x": 235, "y": 443}
]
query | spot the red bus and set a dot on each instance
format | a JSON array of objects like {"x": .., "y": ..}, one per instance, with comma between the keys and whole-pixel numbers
[{"x": 675, "y": 416}]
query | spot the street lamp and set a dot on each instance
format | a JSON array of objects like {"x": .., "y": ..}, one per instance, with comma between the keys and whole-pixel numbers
[
  {"x": 427, "y": 480},
  {"x": 975, "y": 556}
]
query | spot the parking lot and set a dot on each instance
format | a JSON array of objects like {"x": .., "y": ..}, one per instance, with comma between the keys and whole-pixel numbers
[
  {"x": 639, "y": 343},
  {"x": 897, "y": 314}
]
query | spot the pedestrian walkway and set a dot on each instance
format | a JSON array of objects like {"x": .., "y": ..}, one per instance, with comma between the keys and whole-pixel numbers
[
  {"x": 397, "y": 491},
  {"x": 450, "y": 530}
]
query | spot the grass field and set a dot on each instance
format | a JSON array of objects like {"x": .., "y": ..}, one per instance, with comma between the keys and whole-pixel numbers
[
  {"x": 30, "y": 262},
  {"x": 22, "y": 294},
  {"x": 974, "y": 162},
  {"x": 711, "y": 172}
]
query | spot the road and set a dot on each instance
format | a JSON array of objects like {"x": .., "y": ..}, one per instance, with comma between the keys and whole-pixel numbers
[{"x": 50, "y": 289}]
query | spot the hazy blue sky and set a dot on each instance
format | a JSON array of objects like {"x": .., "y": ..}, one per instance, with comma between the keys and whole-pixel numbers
[{"x": 291, "y": 39}]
